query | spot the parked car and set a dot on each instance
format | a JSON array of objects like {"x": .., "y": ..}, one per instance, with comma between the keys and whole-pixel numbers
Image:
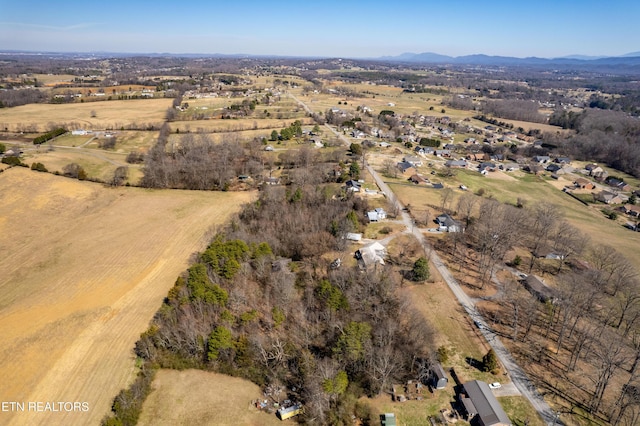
[{"x": 495, "y": 385}]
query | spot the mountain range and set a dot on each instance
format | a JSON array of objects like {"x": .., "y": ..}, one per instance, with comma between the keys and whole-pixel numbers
[{"x": 480, "y": 59}]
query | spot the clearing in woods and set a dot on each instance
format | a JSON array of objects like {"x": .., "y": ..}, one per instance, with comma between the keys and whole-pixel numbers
[
  {"x": 84, "y": 269},
  {"x": 195, "y": 397}
]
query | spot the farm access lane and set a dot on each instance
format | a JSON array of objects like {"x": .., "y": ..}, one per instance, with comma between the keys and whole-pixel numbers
[{"x": 518, "y": 376}]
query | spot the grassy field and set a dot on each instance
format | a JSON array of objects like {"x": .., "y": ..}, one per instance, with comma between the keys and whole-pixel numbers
[
  {"x": 108, "y": 114},
  {"x": 84, "y": 268},
  {"x": 194, "y": 397},
  {"x": 97, "y": 163},
  {"x": 532, "y": 190}
]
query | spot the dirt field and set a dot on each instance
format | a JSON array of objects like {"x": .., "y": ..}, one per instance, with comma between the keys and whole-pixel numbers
[
  {"x": 84, "y": 268},
  {"x": 194, "y": 397}
]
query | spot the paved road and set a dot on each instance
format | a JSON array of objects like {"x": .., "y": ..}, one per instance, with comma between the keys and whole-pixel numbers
[{"x": 518, "y": 376}]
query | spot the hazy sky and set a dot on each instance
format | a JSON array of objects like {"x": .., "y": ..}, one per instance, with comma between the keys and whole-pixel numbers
[{"x": 346, "y": 28}]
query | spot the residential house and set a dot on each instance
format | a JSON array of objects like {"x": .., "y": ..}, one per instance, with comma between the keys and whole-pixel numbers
[
  {"x": 371, "y": 254},
  {"x": 562, "y": 160},
  {"x": 442, "y": 153},
  {"x": 417, "y": 179},
  {"x": 595, "y": 170},
  {"x": 424, "y": 150},
  {"x": 479, "y": 156},
  {"x": 406, "y": 168},
  {"x": 539, "y": 289},
  {"x": 618, "y": 184},
  {"x": 583, "y": 183},
  {"x": 482, "y": 406},
  {"x": 353, "y": 185},
  {"x": 456, "y": 164},
  {"x": 377, "y": 215},
  {"x": 553, "y": 167},
  {"x": 488, "y": 166},
  {"x": 609, "y": 197},
  {"x": 413, "y": 160},
  {"x": 447, "y": 224},
  {"x": 631, "y": 210},
  {"x": 509, "y": 167},
  {"x": 541, "y": 159}
]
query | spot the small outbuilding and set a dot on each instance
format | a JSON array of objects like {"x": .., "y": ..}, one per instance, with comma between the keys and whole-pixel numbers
[
  {"x": 288, "y": 412},
  {"x": 440, "y": 379},
  {"x": 388, "y": 419}
]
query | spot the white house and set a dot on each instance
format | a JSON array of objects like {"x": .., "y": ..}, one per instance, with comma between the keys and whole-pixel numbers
[
  {"x": 371, "y": 254},
  {"x": 377, "y": 215}
]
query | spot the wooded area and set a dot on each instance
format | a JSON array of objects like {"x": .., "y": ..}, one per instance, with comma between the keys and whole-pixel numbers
[{"x": 262, "y": 303}]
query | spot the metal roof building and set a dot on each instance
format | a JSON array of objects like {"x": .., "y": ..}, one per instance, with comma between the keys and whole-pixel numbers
[{"x": 482, "y": 406}]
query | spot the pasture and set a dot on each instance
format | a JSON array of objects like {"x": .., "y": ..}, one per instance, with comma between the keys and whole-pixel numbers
[
  {"x": 84, "y": 269},
  {"x": 138, "y": 113}
]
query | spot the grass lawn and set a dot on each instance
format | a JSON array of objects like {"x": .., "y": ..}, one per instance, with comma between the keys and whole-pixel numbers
[
  {"x": 194, "y": 397},
  {"x": 520, "y": 411},
  {"x": 532, "y": 189}
]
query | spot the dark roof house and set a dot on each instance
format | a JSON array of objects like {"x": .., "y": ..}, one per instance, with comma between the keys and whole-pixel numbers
[
  {"x": 482, "y": 406},
  {"x": 447, "y": 224}
]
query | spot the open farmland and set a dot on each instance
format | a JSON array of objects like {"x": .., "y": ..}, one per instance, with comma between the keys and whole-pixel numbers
[
  {"x": 84, "y": 270},
  {"x": 138, "y": 113},
  {"x": 195, "y": 397}
]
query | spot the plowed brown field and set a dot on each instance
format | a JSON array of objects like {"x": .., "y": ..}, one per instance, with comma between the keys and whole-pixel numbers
[{"x": 83, "y": 268}]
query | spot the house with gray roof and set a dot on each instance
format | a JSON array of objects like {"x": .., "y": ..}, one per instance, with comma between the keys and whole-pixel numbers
[
  {"x": 481, "y": 405},
  {"x": 447, "y": 224}
]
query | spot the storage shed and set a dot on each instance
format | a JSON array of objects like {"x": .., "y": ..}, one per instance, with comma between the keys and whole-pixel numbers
[{"x": 439, "y": 377}]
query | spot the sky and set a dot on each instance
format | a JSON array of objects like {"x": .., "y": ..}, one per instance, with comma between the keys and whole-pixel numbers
[{"x": 327, "y": 28}]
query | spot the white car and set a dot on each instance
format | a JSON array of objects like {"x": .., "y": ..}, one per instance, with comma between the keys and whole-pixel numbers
[{"x": 495, "y": 385}]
